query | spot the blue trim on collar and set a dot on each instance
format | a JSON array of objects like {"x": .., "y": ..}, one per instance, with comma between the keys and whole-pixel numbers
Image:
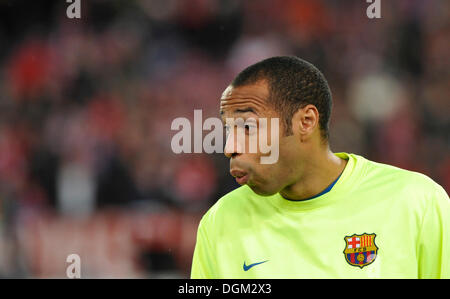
[{"x": 321, "y": 193}]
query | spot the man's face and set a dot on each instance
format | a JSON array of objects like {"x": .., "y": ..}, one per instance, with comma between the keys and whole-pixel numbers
[{"x": 250, "y": 104}]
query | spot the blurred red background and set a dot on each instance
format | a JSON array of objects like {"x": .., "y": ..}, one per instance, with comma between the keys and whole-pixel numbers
[{"x": 86, "y": 107}]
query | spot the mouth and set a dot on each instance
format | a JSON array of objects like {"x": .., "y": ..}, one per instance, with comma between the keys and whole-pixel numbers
[{"x": 240, "y": 176}]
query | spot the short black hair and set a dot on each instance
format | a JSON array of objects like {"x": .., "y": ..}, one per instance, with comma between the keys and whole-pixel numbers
[{"x": 293, "y": 84}]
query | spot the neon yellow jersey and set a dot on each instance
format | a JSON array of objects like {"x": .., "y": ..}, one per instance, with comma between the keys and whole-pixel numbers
[{"x": 378, "y": 221}]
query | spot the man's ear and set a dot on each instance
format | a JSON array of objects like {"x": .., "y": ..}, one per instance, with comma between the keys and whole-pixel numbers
[{"x": 305, "y": 121}]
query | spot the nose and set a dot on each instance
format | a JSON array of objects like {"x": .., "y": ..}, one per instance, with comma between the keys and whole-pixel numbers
[{"x": 233, "y": 146}]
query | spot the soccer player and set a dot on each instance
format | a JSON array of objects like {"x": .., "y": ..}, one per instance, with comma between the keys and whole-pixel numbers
[{"x": 315, "y": 213}]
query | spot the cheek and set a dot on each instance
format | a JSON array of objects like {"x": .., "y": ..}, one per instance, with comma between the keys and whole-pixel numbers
[
  {"x": 270, "y": 176},
  {"x": 285, "y": 169},
  {"x": 290, "y": 150}
]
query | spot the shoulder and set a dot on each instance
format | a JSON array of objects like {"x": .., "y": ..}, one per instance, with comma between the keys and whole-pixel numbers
[
  {"x": 398, "y": 175},
  {"x": 232, "y": 201},
  {"x": 231, "y": 208},
  {"x": 400, "y": 181}
]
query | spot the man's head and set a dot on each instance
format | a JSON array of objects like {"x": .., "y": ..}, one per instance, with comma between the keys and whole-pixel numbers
[
  {"x": 293, "y": 83},
  {"x": 295, "y": 92}
]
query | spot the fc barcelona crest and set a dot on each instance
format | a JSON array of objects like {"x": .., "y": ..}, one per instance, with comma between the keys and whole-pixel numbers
[{"x": 360, "y": 250}]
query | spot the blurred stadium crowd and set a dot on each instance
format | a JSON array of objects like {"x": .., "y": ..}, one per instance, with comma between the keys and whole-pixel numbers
[{"x": 86, "y": 107}]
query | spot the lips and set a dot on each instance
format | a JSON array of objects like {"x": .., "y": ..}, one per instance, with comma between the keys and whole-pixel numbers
[{"x": 240, "y": 176}]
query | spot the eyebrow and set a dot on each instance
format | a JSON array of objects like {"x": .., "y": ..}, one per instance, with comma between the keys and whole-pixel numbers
[{"x": 243, "y": 110}]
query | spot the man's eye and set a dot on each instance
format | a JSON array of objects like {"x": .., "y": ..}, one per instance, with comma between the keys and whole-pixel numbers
[{"x": 250, "y": 128}]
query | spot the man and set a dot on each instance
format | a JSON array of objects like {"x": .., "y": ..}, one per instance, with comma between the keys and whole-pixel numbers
[{"x": 314, "y": 213}]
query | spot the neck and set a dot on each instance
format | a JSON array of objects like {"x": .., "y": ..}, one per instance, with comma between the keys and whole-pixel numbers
[{"x": 320, "y": 171}]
